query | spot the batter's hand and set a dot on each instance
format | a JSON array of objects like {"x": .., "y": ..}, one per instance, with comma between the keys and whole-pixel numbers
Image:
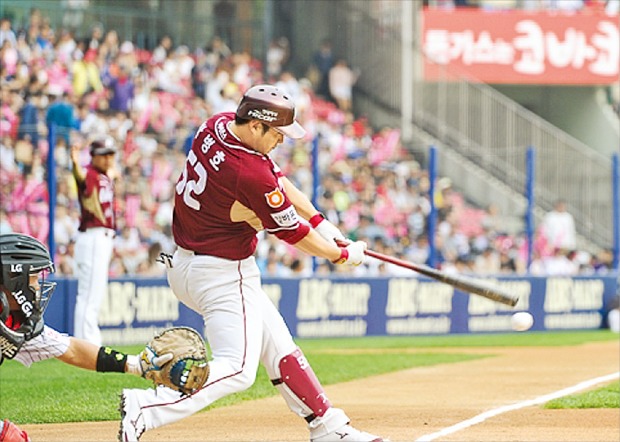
[
  {"x": 353, "y": 254},
  {"x": 326, "y": 229}
]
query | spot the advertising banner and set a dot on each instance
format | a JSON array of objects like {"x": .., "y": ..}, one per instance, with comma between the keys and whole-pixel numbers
[
  {"x": 522, "y": 47},
  {"x": 136, "y": 309}
]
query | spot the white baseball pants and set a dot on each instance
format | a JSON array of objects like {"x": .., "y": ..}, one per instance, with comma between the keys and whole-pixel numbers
[
  {"x": 242, "y": 327},
  {"x": 93, "y": 251}
]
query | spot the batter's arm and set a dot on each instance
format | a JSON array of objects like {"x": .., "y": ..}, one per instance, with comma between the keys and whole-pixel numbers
[
  {"x": 315, "y": 245},
  {"x": 307, "y": 211},
  {"x": 302, "y": 203}
]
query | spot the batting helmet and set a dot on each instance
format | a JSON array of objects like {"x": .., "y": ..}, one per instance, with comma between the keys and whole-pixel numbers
[
  {"x": 271, "y": 106},
  {"x": 104, "y": 146},
  {"x": 22, "y": 256}
]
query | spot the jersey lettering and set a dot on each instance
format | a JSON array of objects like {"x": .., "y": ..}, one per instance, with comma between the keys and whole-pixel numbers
[
  {"x": 187, "y": 187},
  {"x": 264, "y": 115},
  {"x": 217, "y": 159},
  {"x": 286, "y": 218},
  {"x": 207, "y": 143}
]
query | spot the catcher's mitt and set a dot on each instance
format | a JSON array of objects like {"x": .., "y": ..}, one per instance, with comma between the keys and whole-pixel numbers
[{"x": 188, "y": 368}]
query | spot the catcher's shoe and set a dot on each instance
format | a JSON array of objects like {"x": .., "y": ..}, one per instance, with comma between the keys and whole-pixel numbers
[
  {"x": 347, "y": 433},
  {"x": 132, "y": 422}
]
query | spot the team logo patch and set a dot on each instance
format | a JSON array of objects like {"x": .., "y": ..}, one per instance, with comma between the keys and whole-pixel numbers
[
  {"x": 275, "y": 198},
  {"x": 286, "y": 218}
]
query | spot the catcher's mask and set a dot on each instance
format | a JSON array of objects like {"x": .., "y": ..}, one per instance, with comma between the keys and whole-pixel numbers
[
  {"x": 21, "y": 258},
  {"x": 269, "y": 105}
]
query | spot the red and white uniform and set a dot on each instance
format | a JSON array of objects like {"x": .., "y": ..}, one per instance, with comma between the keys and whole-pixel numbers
[
  {"x": 93, "y": 251},
  {"x": 226, "y": 194}
]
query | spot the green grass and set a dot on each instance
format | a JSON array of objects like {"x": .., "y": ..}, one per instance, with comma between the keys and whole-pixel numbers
[
  {"x": 604, "y": 397},
  {"x": 51, "y": 391}
]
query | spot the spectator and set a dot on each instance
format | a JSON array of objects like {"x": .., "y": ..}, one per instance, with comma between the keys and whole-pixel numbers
[
  {"x": 86, "y": 75},
  {"x": 487, "y": 263},
  {"x": 160, "y": 53},
  {"x": 558, "y": 227},
  {"x": 341, "y": 80},
  {"x": 277, "y": 56},
  {"x": 563, "y": 5},
  {"x": 5, "y": 225},
  {"x": 151, "y": 267},
  {"x": 96, "y": 35},
  {"x": 224, "y": 12},
  {"x": 28, "y": 121},
  {"x": 323, "y": 61},
  {"x": 7, "y": 33},
  {"x": 122, "y": 89},
  {"x": 109, "y": 49},
  {"x": 60, "y": 113}
]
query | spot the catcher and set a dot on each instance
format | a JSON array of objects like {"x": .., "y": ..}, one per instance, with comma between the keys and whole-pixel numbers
[{"x": 24, "y": 294}]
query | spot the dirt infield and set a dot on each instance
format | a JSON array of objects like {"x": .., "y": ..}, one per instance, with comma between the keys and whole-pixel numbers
[{"x": 410, "y": 404}]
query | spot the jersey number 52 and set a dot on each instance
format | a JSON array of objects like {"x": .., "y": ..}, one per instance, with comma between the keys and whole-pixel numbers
[{"x": 189, "y": 188}]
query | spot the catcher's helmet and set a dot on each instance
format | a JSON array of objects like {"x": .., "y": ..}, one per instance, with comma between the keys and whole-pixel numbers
[
  {"x": 274, "y": 108},
  {"x": 22, "y": 256}
]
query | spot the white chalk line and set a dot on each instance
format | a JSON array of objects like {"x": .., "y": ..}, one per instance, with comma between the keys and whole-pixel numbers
[{"x": 537, "y": 401}]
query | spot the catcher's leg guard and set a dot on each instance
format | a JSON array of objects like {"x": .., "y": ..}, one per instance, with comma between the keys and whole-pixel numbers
[
  {"x": 300, "y": 387},
  {"x": 9, "y": 432}
]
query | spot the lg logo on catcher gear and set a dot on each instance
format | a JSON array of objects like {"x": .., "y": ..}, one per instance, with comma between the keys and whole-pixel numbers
[{"x": 23, "y": 302}]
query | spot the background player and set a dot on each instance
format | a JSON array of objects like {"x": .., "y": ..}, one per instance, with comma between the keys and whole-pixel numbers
[
  {"x": 24, "y": 295},
  {"x": 93, "y": 246},
  {"x": 231, "y": 189}
]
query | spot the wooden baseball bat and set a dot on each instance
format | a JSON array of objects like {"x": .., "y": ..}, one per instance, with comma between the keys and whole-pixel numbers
[{"x": 460, "y": 282}]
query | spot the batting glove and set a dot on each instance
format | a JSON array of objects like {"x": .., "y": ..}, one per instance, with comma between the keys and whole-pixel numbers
[
  {"x": 325, "y": 228},
  {"x": 353, "y": 254}
]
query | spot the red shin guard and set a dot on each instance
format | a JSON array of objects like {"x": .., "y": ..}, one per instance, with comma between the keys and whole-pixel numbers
[{"x": 299, "y": 377}]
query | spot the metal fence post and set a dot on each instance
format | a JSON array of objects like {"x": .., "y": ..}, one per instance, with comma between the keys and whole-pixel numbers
[
  {"x": 530, "y": 169},
  {"x": 432, "y": 216},
  {"x": 51, "y": 186},
  {"x": 615, "y": 174}
]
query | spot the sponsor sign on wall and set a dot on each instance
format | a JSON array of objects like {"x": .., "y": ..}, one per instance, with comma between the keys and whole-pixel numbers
[
  {"x": 136, "y": 309},
  {"x": 521, "y": 47}
]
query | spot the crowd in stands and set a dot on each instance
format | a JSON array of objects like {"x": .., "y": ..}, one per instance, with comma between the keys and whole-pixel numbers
[
  {"x": 609, "y": 6},
  {"x": 151, "y": 102}
]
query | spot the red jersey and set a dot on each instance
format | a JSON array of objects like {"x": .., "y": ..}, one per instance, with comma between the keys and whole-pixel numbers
[
  {"x": 229, "y": 192},
  {"x": 96, "y": 195}
]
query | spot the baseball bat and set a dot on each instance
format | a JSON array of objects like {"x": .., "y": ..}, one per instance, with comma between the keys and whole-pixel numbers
[{"x": 459, "y": 282}]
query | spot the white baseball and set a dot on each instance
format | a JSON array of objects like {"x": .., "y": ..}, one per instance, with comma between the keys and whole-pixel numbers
[{"x": 522, "y": 321}]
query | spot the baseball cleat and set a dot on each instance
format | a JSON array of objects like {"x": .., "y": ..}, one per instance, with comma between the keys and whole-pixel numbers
[
  {"x": 347, "y": 433},
  {"x": 132, "y": 422}
]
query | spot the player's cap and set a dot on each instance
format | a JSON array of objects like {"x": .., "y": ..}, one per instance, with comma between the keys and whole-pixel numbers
[
  {"x": 102, "y": 147},
  {"x": 271, "y": 106}
]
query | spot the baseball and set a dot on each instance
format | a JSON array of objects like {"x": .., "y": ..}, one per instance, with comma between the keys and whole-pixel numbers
[{"x": 522, "y": 321}]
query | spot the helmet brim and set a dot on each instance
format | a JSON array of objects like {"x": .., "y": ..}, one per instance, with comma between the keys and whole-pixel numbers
[{"x": 294, "y": 131}]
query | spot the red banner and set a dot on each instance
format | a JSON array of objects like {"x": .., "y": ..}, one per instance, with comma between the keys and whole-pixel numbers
[{"x": 521, "y": 47}]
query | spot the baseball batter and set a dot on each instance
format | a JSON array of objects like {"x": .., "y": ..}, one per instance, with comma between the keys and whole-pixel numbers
[
  {"x": 93, "y": 246},
  {"x": 24, "y": 295},
  {"x": 230, "y": 190}
]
